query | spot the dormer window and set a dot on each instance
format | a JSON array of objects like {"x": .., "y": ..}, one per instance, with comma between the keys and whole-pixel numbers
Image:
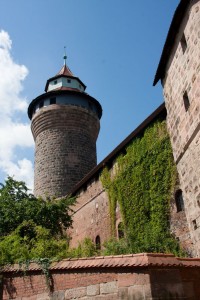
[
  {"x": 69, "y": 80},
  {"x": 55, "y": 82}
]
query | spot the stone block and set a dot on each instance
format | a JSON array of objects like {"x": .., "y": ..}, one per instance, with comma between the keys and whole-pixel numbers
[
  {"x": 123, "y": 293},
  {"x": 43, "y": 296},
  {"x": 75, "y": 293},
  {"x": 59, "y": 295},
  {"x": 108, "y": 287},
  {"x": 93, "y": 290},
  {"x": 164, "y": 291},
  {"x": 27, "y": 298},
  {"x": 136, "y": 293}
]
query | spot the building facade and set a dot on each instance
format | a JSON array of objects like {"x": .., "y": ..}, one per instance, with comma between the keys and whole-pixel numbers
[
  {"x": 65, "y": 126},
  {"x": 179, "y": 72}
]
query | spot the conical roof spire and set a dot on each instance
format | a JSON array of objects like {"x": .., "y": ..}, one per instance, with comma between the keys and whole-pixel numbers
[
  {"x": 65, "y": 80},
  {"x": 65, "y": 69}
]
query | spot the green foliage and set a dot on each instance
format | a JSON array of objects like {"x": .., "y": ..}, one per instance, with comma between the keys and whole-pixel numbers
[
  {"x": 30, "y": 242},
  {"x": 17, "y": 206},
  {"x": 85, "y": 249},
  {"x": 142, "y": 186},
  {"x": 116, "y": 247},
  {"x": 31, "y": 228}
]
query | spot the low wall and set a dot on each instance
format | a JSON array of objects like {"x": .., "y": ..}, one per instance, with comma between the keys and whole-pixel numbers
[{"x": 138, "y": 276}]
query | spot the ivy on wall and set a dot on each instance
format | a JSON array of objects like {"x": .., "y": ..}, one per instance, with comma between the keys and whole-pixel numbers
[{"x": 142, "y": 183}]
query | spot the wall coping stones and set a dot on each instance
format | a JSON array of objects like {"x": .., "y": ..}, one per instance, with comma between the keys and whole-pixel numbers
[{"x": 141, "y": 260}]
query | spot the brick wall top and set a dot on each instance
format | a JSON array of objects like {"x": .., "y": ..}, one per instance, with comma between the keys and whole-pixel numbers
[{"x": 141, "y": 260}]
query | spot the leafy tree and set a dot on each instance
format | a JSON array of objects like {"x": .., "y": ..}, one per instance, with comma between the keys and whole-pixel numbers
[
  {"x": 18, "y": 205},
  {"x": 30, "y": 242}
]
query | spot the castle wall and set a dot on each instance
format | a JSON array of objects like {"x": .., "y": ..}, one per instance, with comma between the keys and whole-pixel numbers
[
  {"x": 65, "y": 147},
  {"x": 179, "y": 225},
  {"x": 141, "y": 276},
  {"x": 91, "y": 217},
  {"x": 182, "y": 97}
]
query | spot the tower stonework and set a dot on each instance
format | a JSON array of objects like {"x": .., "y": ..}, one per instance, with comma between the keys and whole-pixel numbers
[
  {"x": 65, "y": 125},
  {"x": 179, "y": 71}
]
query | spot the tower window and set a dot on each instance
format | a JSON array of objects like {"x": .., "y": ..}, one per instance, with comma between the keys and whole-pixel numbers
[
  {"x": 183, "y": 43},
  {"x": 53, "y": 100},
  {"x": 69, "y": 80},
  {"x": 55, "y": 82},
  {"x": 186, "y": 101},
  {"x": 179, "y": 201},
  {"x": 41, "y": 104},
  {"x": 98, "y": 242}
]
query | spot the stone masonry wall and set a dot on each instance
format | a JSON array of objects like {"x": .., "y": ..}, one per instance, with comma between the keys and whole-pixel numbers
[
  {"x": 182, "y": 78},
  {"x": 178, "y": 224},
  {"x": 65, "y": 147},
  {"x": 189, "y": 177},
  {"x": 141, "y": 277},
  {"x": 91, "y": 217}
]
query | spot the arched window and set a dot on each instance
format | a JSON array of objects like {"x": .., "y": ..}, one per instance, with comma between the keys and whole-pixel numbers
[
  {"x": 98, "y": 242},
  {"x": 179, "y": 201},
  {"x": 120, "y": 230}
]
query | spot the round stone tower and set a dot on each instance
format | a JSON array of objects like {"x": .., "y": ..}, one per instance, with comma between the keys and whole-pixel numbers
[{"x": 65, "y": 125}]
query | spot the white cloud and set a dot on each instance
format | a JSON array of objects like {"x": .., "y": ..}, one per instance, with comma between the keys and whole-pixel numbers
[{"x": 14, "y": 133}]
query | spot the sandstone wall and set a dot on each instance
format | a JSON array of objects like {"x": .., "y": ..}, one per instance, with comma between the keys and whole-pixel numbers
[
  {"x": 141, "y": 276},
  {"x": 182, "y": 79},
  {"x": 91, "y": 217},
  {"x": 65, "y": 147}
]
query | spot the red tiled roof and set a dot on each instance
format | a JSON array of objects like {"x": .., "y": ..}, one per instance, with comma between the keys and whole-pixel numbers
[
  {"x": 140, "y": 260},
  {"x": 65, "y": 71}
]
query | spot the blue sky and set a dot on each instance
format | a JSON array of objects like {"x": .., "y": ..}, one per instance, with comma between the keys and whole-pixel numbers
[{"x": 113, "y": 46}]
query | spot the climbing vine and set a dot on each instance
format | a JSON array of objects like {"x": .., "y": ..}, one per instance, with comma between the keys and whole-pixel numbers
[{"x": 142, "y": 185}]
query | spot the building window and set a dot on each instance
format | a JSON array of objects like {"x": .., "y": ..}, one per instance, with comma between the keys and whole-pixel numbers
[
  {"x": 183, "y": 43},
  {"x": 120, "y": 230},
  {"x": 69, "y": 80},
  {"x": 55, "y": 82},
  {"x": 186, "y": 101},
  {"x": 41, "y": 104},
  {"x": 194, "y": 222},
  {"x": 179, "y": 201},
  {"x": 53, "y": 100},
  {"x": 98, "y": 242}
]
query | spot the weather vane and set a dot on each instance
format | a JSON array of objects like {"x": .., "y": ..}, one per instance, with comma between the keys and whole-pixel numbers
[{"x": 65, "y": 56}]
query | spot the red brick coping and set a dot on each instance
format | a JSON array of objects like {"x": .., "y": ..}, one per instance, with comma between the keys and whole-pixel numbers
[{"x": 140, "y": 260}]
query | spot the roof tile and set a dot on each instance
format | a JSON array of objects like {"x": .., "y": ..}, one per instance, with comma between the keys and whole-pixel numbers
[
  {"x": 134, "y": 260},
  {"x": 65, "y": 71}
]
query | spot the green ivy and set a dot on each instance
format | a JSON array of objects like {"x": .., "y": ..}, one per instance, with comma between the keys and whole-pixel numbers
[{"x": 142, "y": 184}]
